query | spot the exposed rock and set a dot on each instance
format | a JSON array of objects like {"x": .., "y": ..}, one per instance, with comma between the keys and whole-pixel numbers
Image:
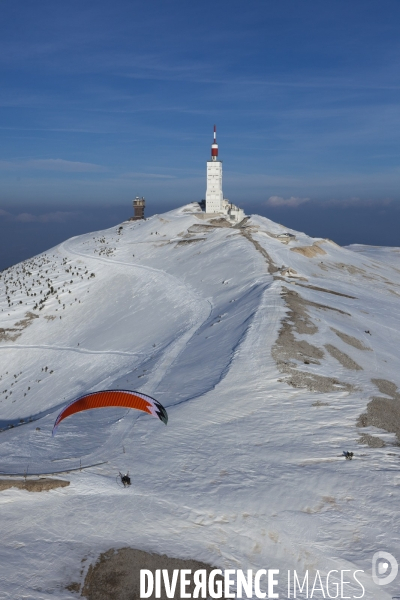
[
  {"x": 309, "y": 251},
  {"x": 33, "y": 485},
  {"x": 343, "y": 358},
  {"x": 383, "y": 413},
  {"x": 349, "y": 339},
  {"x": 116, "y": 574},
  {"x": 371, "y": 441}
]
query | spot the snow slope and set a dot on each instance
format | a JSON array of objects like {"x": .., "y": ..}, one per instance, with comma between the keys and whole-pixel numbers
[{"x": 265, "y": 351}]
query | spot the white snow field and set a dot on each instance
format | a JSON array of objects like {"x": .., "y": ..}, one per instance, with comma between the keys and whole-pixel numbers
[{"x": 264, "y": 350}]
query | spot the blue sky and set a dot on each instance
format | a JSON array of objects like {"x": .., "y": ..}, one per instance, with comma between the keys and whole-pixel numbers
[{"x": 100, "y": 101}]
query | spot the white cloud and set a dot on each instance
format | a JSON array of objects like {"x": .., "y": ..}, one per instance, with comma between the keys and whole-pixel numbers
[
  {"x": 58, "y": 164},
  {"x": 51, "y": 164},
  {"x": 292, "y": 201},
  {"x": 149, "y": 175}
]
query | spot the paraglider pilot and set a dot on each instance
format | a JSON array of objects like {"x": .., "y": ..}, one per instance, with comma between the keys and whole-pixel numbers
[{"x": 125, "y": 479}]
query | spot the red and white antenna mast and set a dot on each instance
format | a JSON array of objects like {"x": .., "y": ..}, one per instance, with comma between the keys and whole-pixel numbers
[{"x": 214, "y": 146}]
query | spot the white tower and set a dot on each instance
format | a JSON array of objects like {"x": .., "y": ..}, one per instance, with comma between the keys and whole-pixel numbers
[{"x": 214, "y": 194}]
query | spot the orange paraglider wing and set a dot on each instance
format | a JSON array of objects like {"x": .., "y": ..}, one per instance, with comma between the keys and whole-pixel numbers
[{"x": 111, "y": 398}]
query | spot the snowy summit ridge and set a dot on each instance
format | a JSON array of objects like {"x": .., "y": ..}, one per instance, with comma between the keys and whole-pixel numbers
[{"x": 272, "y": 352}]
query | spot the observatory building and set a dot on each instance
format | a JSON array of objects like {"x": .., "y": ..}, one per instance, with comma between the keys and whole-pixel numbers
[
  {"x": 139, "y": 204},
  {"x": 215, "y": 201}
]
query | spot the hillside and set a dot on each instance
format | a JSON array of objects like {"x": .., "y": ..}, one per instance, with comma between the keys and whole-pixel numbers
[{"x": 272, "y": 352}]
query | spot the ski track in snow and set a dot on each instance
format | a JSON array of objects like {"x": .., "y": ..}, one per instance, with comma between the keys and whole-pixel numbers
[
  {"x": 68, "y": 349},
  {"x": 202, "y": 310}
]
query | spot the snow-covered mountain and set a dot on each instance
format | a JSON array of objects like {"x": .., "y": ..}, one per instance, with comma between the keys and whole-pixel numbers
[{"x": 272, "y": 352}]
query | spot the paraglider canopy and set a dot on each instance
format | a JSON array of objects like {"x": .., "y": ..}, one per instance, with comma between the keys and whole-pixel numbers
[{"x": 113, "y": 398}]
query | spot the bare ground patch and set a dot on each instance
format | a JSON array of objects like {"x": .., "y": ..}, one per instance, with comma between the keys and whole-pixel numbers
[
  {"x": 292, "y": 348},
  {"x": 11, "y": 334},
  {"x": 319, "y": 403},
  {"x": 299, "y": 304},
  {"x": 317, "y": 383},
  {"x": 298, "y": 317},
  {"x": 272, "y": 268},
  {"x": 200, "y": 228},
  {"x": 371, "y": 441},
  {"x": 116, "y": 574},
  {"x": 343, "y": 358},
  {"x": 192, "y": 241},
  {"x": 33, "y": 485},
  {"x": 387, "y": 387},
  {"x": 382, "y": 412},
  {"x": 288, "y": 348},
  {"x": 350, "y": 340},
  {"x": 221, "y": 222},
  {"x": 320, "y": 289},
  {"x": 213, "y": 224},
  {"x": 309, "y": 251}
]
